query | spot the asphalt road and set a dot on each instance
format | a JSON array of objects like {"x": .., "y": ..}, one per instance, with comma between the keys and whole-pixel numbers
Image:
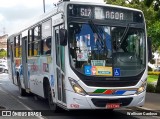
[{"x": 32, "y": 102}]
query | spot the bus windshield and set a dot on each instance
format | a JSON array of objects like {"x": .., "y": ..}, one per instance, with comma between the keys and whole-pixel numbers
[{"x": 100, "y": 50}]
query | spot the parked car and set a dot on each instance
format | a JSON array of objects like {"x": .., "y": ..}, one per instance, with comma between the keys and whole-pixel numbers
[
  {"x": 157, "y": 69},
  {"x": 3, "y": 67},
  {"x": 3, "y": 61}
]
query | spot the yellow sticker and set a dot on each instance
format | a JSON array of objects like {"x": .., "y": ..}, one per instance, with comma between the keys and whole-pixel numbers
[
  {"x": 105, "y": 71},
  {"x": 49, "y": 59}
]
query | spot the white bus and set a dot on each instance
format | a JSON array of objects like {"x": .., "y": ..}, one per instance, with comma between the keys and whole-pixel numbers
[{"x": 82, "y": 56}]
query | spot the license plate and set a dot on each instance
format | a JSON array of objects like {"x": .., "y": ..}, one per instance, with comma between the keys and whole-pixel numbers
[{"x": 112, "y": 105}]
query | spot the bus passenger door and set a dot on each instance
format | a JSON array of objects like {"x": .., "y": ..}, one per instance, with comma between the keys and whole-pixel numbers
[
  {"x": 12, "y": 63},
  {"x": 24, "y": 62},
  {"x": 59, "y": 69}
]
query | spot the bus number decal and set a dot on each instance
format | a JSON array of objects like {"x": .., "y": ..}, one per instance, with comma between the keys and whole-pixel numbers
[
  {"x": 34, "y": 67},
  {"x": 85, "y": 12},
  {"x": 74, "y": 105}
]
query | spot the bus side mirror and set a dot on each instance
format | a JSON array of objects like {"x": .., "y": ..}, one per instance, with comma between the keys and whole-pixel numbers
[
  {"x": 149, "y": 48},
  {"x": 63, "y": 37}
]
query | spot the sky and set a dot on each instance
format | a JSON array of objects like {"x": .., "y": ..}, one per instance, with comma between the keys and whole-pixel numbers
[{"x": 15, "y": 13}]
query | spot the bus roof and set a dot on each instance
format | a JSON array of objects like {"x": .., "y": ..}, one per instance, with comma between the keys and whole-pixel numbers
[{"x": 58, "y": 9}]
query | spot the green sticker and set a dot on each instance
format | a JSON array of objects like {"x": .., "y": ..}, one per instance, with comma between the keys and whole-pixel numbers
[{"x": 99, "y": 91}]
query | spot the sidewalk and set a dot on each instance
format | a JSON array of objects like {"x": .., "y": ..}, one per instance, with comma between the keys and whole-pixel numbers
[
  {"x": 152, "y": 102},
  {"x": 9, "y": 102}
]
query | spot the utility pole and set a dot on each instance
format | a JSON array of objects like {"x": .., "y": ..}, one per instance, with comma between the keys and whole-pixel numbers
[
  {"x": 4, "y": 30},
  {"x": 44, "y": 5}
]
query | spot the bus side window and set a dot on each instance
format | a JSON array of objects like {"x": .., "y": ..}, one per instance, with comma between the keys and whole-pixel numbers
[
  {"x": 46, "y": 38},
  {"x": 17, "y": 49},
  {"x": 37, "y": 40},
  {"x": 47, "y": 46},
  {"x": 30, "y": 42},
  {"x": 8, "y": 47}
]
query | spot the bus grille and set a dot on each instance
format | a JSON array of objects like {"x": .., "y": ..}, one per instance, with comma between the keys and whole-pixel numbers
[
  {"x": 102, "y": 102},
  {"x": 109, "y": 83}
]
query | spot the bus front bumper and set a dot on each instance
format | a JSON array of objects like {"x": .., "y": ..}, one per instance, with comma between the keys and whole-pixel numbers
[{"x": 76, "y": 101}]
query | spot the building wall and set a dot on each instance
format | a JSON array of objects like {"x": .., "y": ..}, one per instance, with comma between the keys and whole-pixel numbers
[{"x": 3, "y": 42}]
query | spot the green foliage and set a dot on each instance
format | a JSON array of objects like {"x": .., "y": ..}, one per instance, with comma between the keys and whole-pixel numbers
[
  {"x": 150, "y": 88},
  {"x": 154, "y": 32},
  {"x": 1, "y": 50},
  {"x": 157, "y": 90},
  {"x": 116, "y": 2},
  {"x": 149, "y": 68},
  {"x": 155, "y": 3},
  {"x": 148, "y": 2},
  {"x": 152, "y": 78},
  {"x": 153, "y": 73},
  {"x": 152, "y": 61},
  {"x": 3, "y": 53}
]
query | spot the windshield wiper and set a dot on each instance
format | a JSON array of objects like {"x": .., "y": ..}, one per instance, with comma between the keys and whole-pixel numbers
[
  {"x": 123, "y": 35},
  {"x": 100, "y": 39}
]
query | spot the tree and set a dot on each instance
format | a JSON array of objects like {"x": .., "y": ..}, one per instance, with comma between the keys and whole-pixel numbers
[
  {"x": 3, "y": 53},
  {"x": 155, "y": 3},
  {"x": 1, "y": 50}
]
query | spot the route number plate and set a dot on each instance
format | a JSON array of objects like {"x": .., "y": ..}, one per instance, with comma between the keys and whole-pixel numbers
[{"x": 112, "y": 105}]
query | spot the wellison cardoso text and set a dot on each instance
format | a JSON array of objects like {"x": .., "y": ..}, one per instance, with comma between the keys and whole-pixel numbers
[{"x": 142, "y": 113}]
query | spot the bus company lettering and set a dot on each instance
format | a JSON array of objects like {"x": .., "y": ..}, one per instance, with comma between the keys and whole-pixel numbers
[
  {"x": 86, "y": 12},
  {"x": 114, "y": 15},
  {"x": 34, "y": 67},
  {"x": 74, "y": 105}
]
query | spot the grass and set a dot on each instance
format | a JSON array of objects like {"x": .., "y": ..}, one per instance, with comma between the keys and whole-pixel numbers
[{"x": 152, "y": 78}]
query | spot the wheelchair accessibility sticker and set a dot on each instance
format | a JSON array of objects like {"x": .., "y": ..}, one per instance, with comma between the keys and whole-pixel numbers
[{"x": 117, "y": 72}]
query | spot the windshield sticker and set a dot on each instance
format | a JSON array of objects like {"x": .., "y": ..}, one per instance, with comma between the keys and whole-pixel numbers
[
  {"x": 87, "y": 70},
  {"x": 83, "y": 44},
  {"x": 101, "y": 70},
  {"x": 98, "y": 62},
  {"x": 82, "y": 56},
  {"x": 93, "y": 70},
  {"x": 117, "y": 72},
  {"x": 87, "y": 39}
]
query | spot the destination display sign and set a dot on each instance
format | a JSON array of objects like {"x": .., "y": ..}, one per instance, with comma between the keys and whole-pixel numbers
[{"x": 104, "y": 13}]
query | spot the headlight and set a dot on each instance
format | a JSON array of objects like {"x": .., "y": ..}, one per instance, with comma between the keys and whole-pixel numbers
[
  {"x": 76, "y": 87},
  {"x": 142, "y": 87}
]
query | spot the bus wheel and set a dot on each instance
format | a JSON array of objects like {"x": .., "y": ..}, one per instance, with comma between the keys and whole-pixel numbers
[
  {"x": 53, "y": 106},
  {"x": 5, "y": 71},
  {"x": 21, "y": 90}
]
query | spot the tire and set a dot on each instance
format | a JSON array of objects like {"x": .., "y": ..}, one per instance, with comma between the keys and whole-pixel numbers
[
  {"x": 53, "y": 106},
  {"x": 5, "y": 71},
  {"x": 110, "y": 110},
  {"x": 21, "y": 90}
]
